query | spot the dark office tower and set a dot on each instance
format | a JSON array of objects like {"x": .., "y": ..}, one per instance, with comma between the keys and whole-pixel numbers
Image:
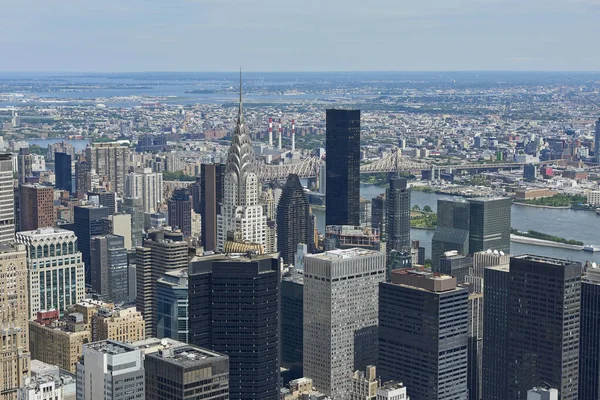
[
  {"x": 180, "y": 211},
  {"x": 25, "y": 160},
  {"x": 495, "y": 332},
  {"x": 397, "y": 211},
  {"x": 104, "y": 199},
  {"x": 475, "y": 343},
  {"x": 543, "y": 326},
  {"x": 423, "y": 320},
  {"x": 36, "y": 207},
  {"x": 597, "y": 142},
  {"x": 162, "y": 251},
  {"x": 343, "y": 167},
  {"x": 293, "y": 219},
  {"x": 196, "y": 193},
  {"x": 589, "y": 351},
  {"x": 245, "y": 324},
  {"x": 489, "y": 224},
  {"x": 452, "y": 231},
  {"x": 62, "y": 170},
  {"x": 292, "y": 308},
  {"x": 200, "y": 299},
  {"x": 87, "y": 223},
  {"x": 455, "y": 265},
  {"x": 110, "y": 277},
  {"x": 82, "y": 169},
  {"x": 182, "y": 371},
  {"x": 378, "y": 215},
  {"x": 211, "y": 197}
]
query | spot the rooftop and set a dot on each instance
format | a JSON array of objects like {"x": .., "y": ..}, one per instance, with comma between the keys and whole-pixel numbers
[
  {"x": 346, "y": 253},
  {"x": 46, "y": 232},
  {"x": 111, "y": 347},
  {"x": 545, "y": 260}
]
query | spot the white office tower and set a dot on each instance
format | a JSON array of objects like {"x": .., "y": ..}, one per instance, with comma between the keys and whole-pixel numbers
[
  {"x": 241, "y": 219},
  {"x": 341, "y": 290},
  {"x": 146, "y": 185},
  {"x": 392, "y": 391},
  {"x": 542, "y": 394},
  {"x": 56, "y": 270},
  {"x": 110, "y": 370},
  {"x": 7, "y": 199}
]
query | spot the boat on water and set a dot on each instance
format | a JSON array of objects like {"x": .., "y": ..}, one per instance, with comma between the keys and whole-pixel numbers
[{"x": 591, "y": 248}]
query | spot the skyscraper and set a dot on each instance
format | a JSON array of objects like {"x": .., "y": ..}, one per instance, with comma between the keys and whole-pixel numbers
[
  {"x": 489, "y": 224},
  {"x": 340, "y": 316},
  {"x": 495, "y": 332},
  {"x": 180, "y": 211},
  {"x": 245, "y": 324},
  {"x": 292, "y": 219},
  {"x": 378, "y": 215},
  {"x": 343, "y": 167},
  {"x": 172, "y": 305},
  {"x": 36, "y": 207},
  {"x": 109, "y": 268},
  {"x": 25, "y": 159},
  {"x": 543, "y": 326},
  {"x": 475, "y": 344},
  {"x": 423, "y": 320},
  {"x": 173, "y": 373},
  {"x": 7, "y": 200},
  {"x": 110, "y": 160},
  {"x": 241, "y": 219},
  {"x": 211, "y": 197},
  {"x": 14, "y": 347},
  {"x": 589, "y": 352},
  {"x": 56, "y": 271},
  {"x": 146, "y": 185},
  {"x": 162, "y": 251},
  {"x": 597, "y": 141},
  {"x": 110, "y": 370},
  {"x": 292, "y": 316},
  {"x": 88, "y": 222},
  {"x": 63, "y": 171},
  {"x": 82, "y": 170},
  {"x": 397, "y": 218},
  {"x": 452, "y": 231}
]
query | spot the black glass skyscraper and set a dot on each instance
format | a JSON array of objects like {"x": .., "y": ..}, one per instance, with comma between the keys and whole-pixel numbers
[
  {"x": 234, "y": 309},
  {"x": 397, "y": 216},
  {"x": 343, "y": 167},
  {"x": 292, "y": 219},
  {"x": 378, "y": 215},
  {"x": 452, "y": 231},
  {"x": 180, "y": 211},
  {"x": 87, "y": 223},
  {"x": 489, "y": 224},
  {"x": 589, "y": 352},
  {"x": 62, "y": 170},
  {"x": 543, "y": 326}
]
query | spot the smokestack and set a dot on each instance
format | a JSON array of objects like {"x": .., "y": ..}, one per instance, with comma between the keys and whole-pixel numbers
[
  {"x": 270, "y": 132},
  {"x": 279, "y": 133},
  {"x": 293, "y": 135}
]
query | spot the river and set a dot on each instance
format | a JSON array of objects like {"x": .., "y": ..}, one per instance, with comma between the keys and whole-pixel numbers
[{"x": 570, "y": 224}]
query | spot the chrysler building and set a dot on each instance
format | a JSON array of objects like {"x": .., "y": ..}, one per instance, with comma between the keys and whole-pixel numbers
[{"x": 241, "y": 225}]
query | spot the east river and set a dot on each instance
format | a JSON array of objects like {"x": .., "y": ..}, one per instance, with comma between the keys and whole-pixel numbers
[{"x": 570, "y": 224}]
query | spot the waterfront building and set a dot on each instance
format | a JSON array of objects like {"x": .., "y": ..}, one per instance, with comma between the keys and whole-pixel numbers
[
  {"x": 14, "y": 348},
  {"x": 293, "y": 219},
  {"x": 340, "y": 316},
  {"x": 452, "y": 230},
  {"x": 110, "y": 370},
  {"x": 489, "y": 224},
  {"x": 56, "y": 271},
  {"x": 343, "y": 167},
  {"x": 241, "y": 223},
  {"x": 423, "y": 334},
  {"x": 184, "y": 371}
]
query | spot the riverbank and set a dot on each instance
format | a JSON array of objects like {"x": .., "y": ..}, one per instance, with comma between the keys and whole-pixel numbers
[
  {"x": 540, "y": 242},
  {"x": 541, "y": 206}
]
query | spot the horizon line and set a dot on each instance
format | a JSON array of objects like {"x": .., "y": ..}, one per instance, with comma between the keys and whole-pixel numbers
[{"x": 298, "y": 71}]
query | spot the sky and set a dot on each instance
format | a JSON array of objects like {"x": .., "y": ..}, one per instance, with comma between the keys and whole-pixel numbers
[{"x": 299, "y": 35}]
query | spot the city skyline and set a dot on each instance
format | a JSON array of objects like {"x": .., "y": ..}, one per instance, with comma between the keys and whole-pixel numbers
[{"x": 148, "y": 36}]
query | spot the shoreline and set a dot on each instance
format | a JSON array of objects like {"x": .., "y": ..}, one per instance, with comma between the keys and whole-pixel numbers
[
  {"x": 542, "y": 206},
  {"x": 541, "y": 242}
]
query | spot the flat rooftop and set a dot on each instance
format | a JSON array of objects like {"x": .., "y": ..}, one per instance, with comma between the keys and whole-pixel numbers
[
  {"x": 545, "y": 260},
  {"x": 111, "y": 347},
  {"x": 345, "y": 253},
  {"x": 49, "y": 231},
  {"x": 186, "y": 355}
]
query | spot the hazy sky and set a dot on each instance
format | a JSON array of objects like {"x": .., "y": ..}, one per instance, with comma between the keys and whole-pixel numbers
[{"x": 299, "y": 35}]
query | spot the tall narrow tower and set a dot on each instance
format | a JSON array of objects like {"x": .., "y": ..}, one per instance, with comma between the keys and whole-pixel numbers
[
  {"x": 279, "y": 138},
  {"x": 293, "y": 135},
  {"x": 270, "y": 132},
  {"x": 241, "y": 219}
]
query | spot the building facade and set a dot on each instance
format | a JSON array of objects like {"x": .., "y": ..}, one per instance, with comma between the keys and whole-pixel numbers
[
  {"x": 63, "y": 171},
  {"x": 343, "y": 167},
  {"x": 88, "y": 222},
  {"x": 55, "y": 267},
  {"x": 110, "y": 161},
  {"x": 489, "y": 224},
  {"x": 452, "y": 230},
  {"x": 122, "y": 324},
  {"x": 7, "y": 200},
  {"x": 589, "y": 352},
  {"x": 36, "y": 207},
  {"x": 340, "y": 316},
  {"x": 293, "y": 219},
  {"x": 14, "y": 348},
  {"x": 180, "y": 211},
  {"x": 172, "y": 306},
  {"x": 211, "y": 197},
  {"x": 397, "y": 218},
  {"x": 292, "y": 317},
  {"x": 109, "y": 268}
]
